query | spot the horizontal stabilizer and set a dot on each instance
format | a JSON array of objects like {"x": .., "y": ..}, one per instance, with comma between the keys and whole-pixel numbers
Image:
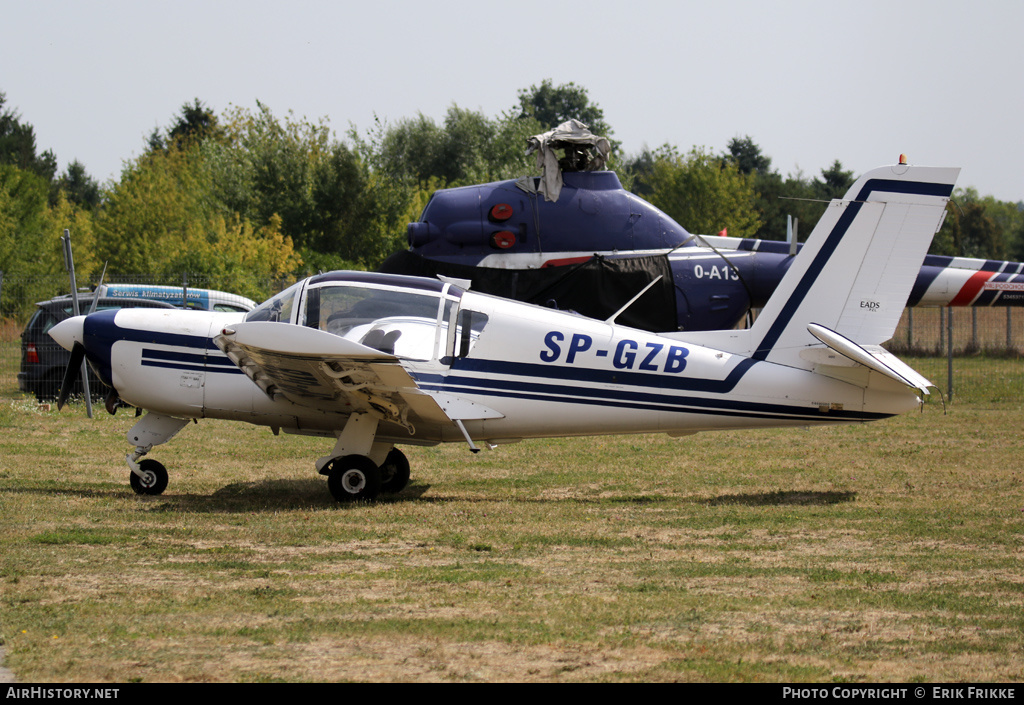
[{"x": 873, "y": 357}]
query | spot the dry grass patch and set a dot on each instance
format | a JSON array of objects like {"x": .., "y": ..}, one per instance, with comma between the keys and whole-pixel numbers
[{"x": 885, "y": 552}]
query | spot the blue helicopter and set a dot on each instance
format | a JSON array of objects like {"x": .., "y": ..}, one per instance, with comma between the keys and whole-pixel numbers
[{"x": 575, "y": 239}]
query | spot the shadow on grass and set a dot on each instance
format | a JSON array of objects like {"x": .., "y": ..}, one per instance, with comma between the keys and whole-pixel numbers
[
  {"x": 273, "y": 495},
  {"x": 268, "y": 495},
  {"x": 784, "y": 497},
  {"x": 312, "y": 493}
]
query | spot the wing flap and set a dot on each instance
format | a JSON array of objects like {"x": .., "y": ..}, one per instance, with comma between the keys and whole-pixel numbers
[
  {"x": 316, "y": 369},
  {"x": 320, "y": 370}
]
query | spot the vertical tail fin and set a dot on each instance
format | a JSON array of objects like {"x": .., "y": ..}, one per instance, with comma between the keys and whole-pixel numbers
[{"x": 855, "y": 272}]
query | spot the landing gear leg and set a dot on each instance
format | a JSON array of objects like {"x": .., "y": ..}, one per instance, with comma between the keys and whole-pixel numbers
[{"x": 149, "y": 476}]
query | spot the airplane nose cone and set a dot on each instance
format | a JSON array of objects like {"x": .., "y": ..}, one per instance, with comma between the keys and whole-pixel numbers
[{"x": 69, "y": 332}]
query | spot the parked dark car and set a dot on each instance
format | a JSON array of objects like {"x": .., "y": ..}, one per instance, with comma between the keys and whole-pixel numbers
[{"x": 43, "y": 361}]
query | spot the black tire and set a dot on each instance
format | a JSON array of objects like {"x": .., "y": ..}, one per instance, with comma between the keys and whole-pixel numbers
[
  {"x": 394, "y": 472},
  {"x": 155, "y": 480},
  {"x": 353, "y": 477}
]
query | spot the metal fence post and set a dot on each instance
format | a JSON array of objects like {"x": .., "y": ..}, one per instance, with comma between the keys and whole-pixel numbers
[
  {"x": 942, "y": 330},
  {"x": 949, "y": 351},
  {"x": 1010, "y": 331}
]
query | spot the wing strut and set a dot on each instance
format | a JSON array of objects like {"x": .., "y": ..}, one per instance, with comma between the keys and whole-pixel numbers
[{"x": 465, "y": 434}]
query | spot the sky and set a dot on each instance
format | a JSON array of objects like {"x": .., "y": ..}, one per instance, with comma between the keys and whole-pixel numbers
[{"x": 809, "y": 82}]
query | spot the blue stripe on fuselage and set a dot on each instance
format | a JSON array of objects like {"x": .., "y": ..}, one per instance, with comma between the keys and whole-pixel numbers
[
  {"x": 594, "y": 387},
  {"x": 101, "y": 331},
  {"x": 175, "y": 360},
  {"x": 585, "y": 375}
]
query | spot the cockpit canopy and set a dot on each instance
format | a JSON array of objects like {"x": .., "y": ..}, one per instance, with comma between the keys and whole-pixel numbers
[{"x": 410, "y": 317}]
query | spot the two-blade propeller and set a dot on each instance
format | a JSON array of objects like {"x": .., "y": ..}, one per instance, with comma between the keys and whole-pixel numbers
[{"x": 76, "y": 365}]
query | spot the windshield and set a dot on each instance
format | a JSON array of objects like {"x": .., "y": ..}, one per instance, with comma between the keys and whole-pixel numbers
[
  {"x": 277, "y": 309},
  {"x": 397, "y": 322},
  {"x": 337, "y": 309}
]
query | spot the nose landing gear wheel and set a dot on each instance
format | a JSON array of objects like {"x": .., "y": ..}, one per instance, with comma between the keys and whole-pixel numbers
[
  {"x": 153, "y": 480},
  {"x": 353, "y": 477}
]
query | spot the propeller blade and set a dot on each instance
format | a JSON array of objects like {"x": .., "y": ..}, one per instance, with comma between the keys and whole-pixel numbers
[
  {"x": 99, "y": 288},
  {"x": 113, "y": 402},
  {"x": 71, "y": 374}
]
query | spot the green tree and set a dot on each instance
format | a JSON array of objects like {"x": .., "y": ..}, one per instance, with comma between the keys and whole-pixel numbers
[
  {"x": 635, "y": 172},
  {"x": 64, "y": 214},
  {"x": 78, "y": 187},
  {"x": 266, "y": 167},
  {"x": 835, "y": 181},
  {"x": 795, "y": 196},
  {"x": 977, "y": 235},
  {"x": 747, "y": 156},
  {"x": 23, "y": 204},
  {"x": 18, "y": 145},
  {"x": 980, "y": 227},
  {"x": 410, "y": 150},
  {"x": 30, "y": 230},
  {"x": 702, "y": 193},
  {"x": 468, "y": 147},
  {"x": 151, "y": 214},
  {"x": 162, "y": 219},
  {"x": 1009, "y": 219},
  {"x": 1015, "y": 244},
  {"x": 780, "y": 198},
  {"x": 551, "y": 105},
  {"x": 775, "y": 195},
  {"x": 328, "y": 200},
  {"x": 195, "y": 122}
]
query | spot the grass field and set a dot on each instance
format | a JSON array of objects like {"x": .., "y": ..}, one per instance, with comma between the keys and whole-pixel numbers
[{"x": 882, "y": 552}]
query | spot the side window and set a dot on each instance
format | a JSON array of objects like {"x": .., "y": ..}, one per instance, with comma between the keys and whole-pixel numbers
[
  {"x": 312, "y": 308},
  {"x": 341, "y": 309},
  {"x": 277, "y": 309},
  {"x": 471, "y": 325}
]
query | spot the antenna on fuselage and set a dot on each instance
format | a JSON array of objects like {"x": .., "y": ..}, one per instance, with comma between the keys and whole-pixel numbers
[
  {"x": 98, "y": 290},
  {"x": 611, "y": 319}
]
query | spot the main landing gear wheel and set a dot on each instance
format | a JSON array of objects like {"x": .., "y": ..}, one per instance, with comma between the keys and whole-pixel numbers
[
  {"x": 353, "y": 477},
  {"x": 394, "y": 472},
  {"x": 153, "y": 479}
]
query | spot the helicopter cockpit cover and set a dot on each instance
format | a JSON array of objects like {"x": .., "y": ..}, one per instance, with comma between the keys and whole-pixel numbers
[{"x": 583, "y": 151}]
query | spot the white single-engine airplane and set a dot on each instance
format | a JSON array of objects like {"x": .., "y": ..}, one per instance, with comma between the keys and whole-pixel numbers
[{"x": 376, "y": 360}]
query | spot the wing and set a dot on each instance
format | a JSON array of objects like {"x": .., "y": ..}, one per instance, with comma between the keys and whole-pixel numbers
[{"x": 320, "y": 370}]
